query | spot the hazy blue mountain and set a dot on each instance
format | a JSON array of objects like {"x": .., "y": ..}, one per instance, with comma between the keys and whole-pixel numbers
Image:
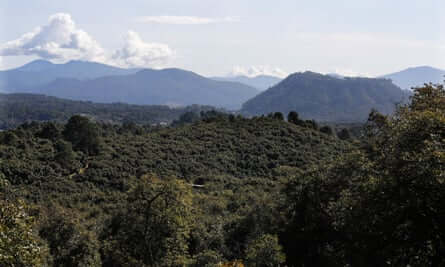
[
  {"x": 173, "y": 87},
  {"x": 417, "y": 76},
  {"x": 37, "y": 65},
  {"x": 261, "y": 82},
  {"x": 325, "y": 98},
  {"x": 39, "y": 72}
]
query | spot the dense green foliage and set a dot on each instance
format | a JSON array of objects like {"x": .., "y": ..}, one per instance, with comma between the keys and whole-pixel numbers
[
  {"x": 381, "y": 205},
  {"x": 154, "y": 227},
  {"x": 223, "y": 190},
  {"x": 19, "y": 244},
  {"x": 16, "y": 109},
  {"x": 325, "y": 98},
  {"x": 229, "y": 167}
]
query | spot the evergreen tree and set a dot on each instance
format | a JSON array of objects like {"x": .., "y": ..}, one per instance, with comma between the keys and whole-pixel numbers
[{"x": 83, "y": 134}]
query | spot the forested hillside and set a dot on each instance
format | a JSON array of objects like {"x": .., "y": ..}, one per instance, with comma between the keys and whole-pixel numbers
[
  {"x": 325, "y": 98},
  {"x": 226, "y": 190},
  {"x": 16, "y": 109},
  {"x": 84, "y": 174}
]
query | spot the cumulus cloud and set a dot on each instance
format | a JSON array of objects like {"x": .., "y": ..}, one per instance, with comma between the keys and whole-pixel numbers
[
  {"x": 184, "y": 20},
  {"x": 137, "y": 53},
  {"x": 60, "y": 40},
  {"x": 254, "y": 71}
]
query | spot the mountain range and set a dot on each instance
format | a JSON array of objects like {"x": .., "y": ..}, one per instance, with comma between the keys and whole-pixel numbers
[
  {"x": 315, "y": 96},
  {"x": 326, "y": 98},
  {"x": 173, "y": 87},
  {"x": 79, "y": 80},
  {"x": 29, "y": 77}
]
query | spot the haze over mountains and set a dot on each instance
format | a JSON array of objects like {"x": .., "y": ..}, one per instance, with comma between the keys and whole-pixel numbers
[
  {"x": 96, "y": 82},
  {"x": 261, "y": 82}
]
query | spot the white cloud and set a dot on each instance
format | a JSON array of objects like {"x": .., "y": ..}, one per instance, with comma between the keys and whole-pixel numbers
[
  {"x": 59, "y": 40},
  {"x": 137, "y": 53},
  {"x": 253, "y": 71},
  {"x": 346, "y": 72},
  {"x": 184, "y": 20}
]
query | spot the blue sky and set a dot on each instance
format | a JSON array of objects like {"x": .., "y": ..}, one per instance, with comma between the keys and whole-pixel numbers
[{"x": 217, "y": 37}]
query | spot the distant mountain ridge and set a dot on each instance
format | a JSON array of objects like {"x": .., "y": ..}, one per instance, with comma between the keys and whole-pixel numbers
[
  {"x": 36, "y": 73},
  {"x": 326, "y": 98},
  {"x": 416, "y": 76},
  {"x": 174, "y": 87},
  {"x": 76, "y": 69},
  {"x": 90, "y": 81},
  {"x": 261, "y": 82}
]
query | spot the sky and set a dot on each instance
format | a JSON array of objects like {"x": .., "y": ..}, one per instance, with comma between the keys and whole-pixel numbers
[{"x": 228, "y": 37}]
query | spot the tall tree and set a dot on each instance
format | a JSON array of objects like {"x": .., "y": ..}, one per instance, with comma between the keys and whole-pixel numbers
[
  {"x": 155, "y": 228},
  {"x": 83, "y": 134}
]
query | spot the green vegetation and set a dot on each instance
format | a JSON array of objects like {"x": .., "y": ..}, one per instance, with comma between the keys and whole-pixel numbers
[
  {"x": 220, "y": 189},
  {"x": 381, "y": 205},
  {"x": 16, "y": 109},
  {"x": 19, "y": 244}
]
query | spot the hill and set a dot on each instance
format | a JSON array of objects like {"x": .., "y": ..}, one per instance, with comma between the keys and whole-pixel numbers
[
  {"x": 219, "y": 146},
  {"x": 261, "y": 82},
  {"x": 29, "y": 77},
  {"x": 325, "y": 98},
  {"x": 174, "y": 87},
  {"x": 228, "y": 167},
  {"x": 417, "y": 76},
  {"x": 226, "y": 190},
  {"x": 16, "y": 109}
]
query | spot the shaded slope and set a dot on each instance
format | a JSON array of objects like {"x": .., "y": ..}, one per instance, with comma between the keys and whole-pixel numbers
[{"x": 326, "y": 98}]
